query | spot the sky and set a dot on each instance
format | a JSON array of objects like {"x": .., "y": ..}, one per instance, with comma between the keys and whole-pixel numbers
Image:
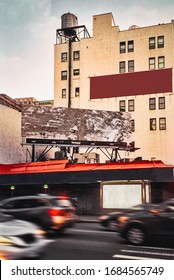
[{"x": 28, "y": 34}]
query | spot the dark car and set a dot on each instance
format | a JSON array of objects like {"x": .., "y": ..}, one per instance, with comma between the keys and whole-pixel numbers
[
  {"x": 155, "y": 224},
  {"x": 20, "y": 239},
  {"x": 52, "y": 213},
  {"x": 110, "y": 220}
]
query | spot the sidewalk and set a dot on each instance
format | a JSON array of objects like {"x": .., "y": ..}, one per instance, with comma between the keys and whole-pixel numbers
[{"x": 88, "y": 218}]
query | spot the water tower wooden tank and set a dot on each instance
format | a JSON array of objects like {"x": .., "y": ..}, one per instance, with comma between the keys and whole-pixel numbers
[{"x": 68, "y": 21}]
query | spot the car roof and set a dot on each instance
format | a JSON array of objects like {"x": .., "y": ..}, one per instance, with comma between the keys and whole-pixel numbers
[{"x": 44, "y": 196}]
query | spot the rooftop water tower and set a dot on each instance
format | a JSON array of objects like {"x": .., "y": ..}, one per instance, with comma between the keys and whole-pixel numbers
[
  {"x": 70, "y": 30},
  {"x": 68, "y": 21}
]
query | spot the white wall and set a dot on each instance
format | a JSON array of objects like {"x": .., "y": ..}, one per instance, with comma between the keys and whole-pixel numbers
[{"x": 10, "y": 136}]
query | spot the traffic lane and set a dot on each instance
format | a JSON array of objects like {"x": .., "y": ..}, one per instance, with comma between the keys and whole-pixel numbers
[
  {"x": 126, "y": 251},
  {"x": 98, "y": 228},
  {"x": 144, "y": 253},
  {"x": 88, "y": 241},
  {"x": 78, "y": 243}
]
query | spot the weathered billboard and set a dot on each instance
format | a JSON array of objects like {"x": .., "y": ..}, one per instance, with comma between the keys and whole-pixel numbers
[{"x": 75, "y": 124}]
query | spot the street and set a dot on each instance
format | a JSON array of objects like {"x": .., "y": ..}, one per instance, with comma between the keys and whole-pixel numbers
[{"x": 89, "y": 241}]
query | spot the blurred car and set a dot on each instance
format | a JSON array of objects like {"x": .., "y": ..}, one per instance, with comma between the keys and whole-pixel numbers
[
  {"x": 110, "y": 220},
  {"x": 20, "y": 239},
  {"x": 157, "y": 223},
  {"x": 52, "y": 213}
]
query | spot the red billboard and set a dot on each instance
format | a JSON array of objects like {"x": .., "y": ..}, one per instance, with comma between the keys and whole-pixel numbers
[{"x": 128, "y": 84}]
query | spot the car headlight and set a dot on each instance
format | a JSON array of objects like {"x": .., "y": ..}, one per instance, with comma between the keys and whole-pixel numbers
[{"x": 5, "y": 241}]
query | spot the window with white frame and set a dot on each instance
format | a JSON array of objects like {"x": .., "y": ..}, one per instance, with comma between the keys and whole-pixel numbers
[
  {"x": 152, "y": 103},
  {"x": 130, "y": 46},
  {"x": 122, "y": 105},
  {"x": 64, "y": 93},
  {"x": 160, "y": 41},
  {"x": 122, "y": 47},
  {"x": 64, "y": 57},
  {"x": 151, "y": 63},
  {"x": 77, "y": 91},
  {"x": 162, "y": 123},
  {"x": 131, "y": 106},
  {"x": 161, "y": 102},
  {"x": 122, "y": 66},
  {"x": 153, "y": 124},
  {"x": 63, "y": 75},
  {"x": 131, "y": 66},
  {"x": 161, "y": 62},
  {"x": 76, "y": 72},
  {"x": 76, "y": 55},
  {"x": 133, "y": 125},
  {"x": 152, "y": 43}
]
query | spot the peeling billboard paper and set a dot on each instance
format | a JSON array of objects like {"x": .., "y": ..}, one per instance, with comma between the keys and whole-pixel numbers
[{"x": 75, "y": 124}]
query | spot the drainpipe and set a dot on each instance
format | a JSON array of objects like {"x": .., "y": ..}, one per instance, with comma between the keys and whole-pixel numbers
[
  {"x": 33, "y": 153},
  {"x": 69, "y": 73}
]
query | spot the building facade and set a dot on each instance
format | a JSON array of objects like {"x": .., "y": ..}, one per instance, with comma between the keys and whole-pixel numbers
[
  {"x": 25, "y": 100},
  {"x": 11, "y": 150},
  {"x": 129, "y": 70},
  {"x": 95, "y": 187}
]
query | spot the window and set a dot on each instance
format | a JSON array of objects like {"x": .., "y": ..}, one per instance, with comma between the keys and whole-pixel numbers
[
  {"x": 122, "y": 67},
  {"x": 152, "y": 43},
  {"x": 162, "y": 123},
  {"x": 64, "y": 75},
  {"x": 133, "y": 125},
  {"x": 131, "y": 66},
  {"x": 76, "y": 72},
  {"x": 151, "y": 63},
  {"x": 152, "y": 103},
  {"x": 77, "y": 91},
  {"x": 161, "y": 62},
  {"x": 130, "y": 46},
  {"x": 131, "y": 105},
  {"x": 153, "y": 124},
  {"x": 64, "y": 93},
  {"x": 122, "y": 106},
  {"x": 161, "y": 104},
  {"x": 122, "y": 47},
  {"x": 76, "y": 55},
  {"x": 160, "y": 41},
  {"x": 64, "y": 57}
]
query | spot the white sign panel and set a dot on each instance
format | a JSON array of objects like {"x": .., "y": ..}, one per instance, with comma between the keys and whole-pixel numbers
[{"x": 121, "y": 195}]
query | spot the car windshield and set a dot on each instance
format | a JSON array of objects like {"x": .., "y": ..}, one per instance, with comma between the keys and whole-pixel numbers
[{"x": 62, "y": 202}]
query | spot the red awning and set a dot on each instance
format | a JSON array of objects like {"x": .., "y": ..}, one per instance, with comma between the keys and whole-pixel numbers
[{"x": 64, "y": 166}]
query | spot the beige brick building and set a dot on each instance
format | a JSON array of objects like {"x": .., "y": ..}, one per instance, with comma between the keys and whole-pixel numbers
[{"x": 129, "y": 70}]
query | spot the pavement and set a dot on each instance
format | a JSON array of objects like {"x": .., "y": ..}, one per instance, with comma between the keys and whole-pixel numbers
[{"x": 88, "y": 218}]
